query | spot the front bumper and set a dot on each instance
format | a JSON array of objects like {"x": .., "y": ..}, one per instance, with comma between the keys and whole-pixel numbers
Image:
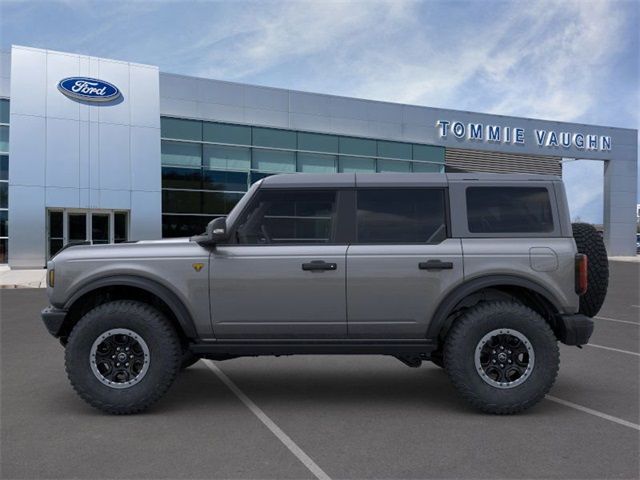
[
  {"x": 53, "y": 319},
  {"x": 574, "y": 329}
]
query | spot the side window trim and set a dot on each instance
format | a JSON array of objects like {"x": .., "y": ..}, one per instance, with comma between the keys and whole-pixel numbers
[{"x": 447, "y": 215}]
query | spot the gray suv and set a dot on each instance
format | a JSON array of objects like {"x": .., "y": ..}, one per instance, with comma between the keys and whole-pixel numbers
[{"x": 480, "y": 274}]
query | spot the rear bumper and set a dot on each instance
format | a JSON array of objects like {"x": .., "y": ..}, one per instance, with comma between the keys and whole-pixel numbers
[
  {"x": 53, "y": 319},
  {"x": 574, "y": 329}
]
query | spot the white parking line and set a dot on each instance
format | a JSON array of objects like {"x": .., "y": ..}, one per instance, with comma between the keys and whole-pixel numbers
[
  {"x": 618, "y": 321},
  {"x": 593, "y": 412},
  {"x": 270, "y": 424},
  {"x": 612, "y": 349}
]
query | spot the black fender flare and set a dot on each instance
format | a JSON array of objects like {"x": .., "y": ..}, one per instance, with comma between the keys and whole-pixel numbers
[
  {"x": 462, "y": 291},
  {"x": 174, "y": 303}
]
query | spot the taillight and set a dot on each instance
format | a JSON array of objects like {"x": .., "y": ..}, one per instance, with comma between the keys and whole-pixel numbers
[{"x": 582, "y": 280}]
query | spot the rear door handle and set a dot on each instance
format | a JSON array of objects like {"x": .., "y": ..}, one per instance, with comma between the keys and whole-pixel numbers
[
  {"x": 435, "y": 265},
  {"x": 319, "y": 266}
]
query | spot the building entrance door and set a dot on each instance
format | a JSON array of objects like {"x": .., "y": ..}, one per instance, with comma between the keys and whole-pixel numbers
[{"x": 65, "y": 226}]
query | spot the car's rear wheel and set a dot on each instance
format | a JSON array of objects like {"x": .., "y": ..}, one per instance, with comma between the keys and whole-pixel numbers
[
  {"x": 122, "y": 356},
  {"x": 502, "y": 356}
]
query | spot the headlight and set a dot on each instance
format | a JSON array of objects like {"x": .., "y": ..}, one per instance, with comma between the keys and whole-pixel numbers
[{"x": 51, "y": 277}]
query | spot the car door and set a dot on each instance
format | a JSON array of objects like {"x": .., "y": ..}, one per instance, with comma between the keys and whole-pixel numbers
[
  {"x": 284, "y": 277},
  {"x": 401, "y": 262}
]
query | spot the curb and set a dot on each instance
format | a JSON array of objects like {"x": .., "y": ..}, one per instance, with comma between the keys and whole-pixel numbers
[{"x": 22, "y": 285}]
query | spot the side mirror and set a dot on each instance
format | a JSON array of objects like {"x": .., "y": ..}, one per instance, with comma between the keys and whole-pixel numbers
[{"x": 216, "y": 232}]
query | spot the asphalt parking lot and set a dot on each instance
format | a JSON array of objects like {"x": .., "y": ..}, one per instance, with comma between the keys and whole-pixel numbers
[{"x": 323, "y": 417}]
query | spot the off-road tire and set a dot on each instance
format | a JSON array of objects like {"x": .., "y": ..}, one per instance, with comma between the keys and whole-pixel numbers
[
  {"x": 165, "y": 355},
  {"x": 464, "y": 337},
  {"x": 591, "y": 244},
  {"x": 188, "y": 359}
]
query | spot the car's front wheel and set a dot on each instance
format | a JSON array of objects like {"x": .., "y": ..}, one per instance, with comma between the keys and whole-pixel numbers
[
  {"x": 502, "y": 357},
  {"x": 122, "y": 356}
]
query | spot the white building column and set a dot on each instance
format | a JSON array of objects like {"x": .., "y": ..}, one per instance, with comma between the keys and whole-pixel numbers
[{"x": 620, "y": 199}]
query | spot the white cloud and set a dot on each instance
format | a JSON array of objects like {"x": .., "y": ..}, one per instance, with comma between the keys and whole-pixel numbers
[
  {"x": 260, "y": 38},
  {"x": 535, "y": 59}
]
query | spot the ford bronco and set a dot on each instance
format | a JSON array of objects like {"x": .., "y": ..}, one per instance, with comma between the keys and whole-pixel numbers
[{"x": 481, "y": 274}]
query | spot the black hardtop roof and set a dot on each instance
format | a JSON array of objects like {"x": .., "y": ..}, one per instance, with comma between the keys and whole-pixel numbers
[{"x": 345, "y": 180}]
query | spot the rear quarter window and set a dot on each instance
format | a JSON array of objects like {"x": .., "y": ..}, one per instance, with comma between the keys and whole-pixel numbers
[{"x": 509, "y": 210}]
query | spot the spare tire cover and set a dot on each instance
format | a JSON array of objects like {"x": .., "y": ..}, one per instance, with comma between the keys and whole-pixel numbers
[{"x": 589, "y": 242}]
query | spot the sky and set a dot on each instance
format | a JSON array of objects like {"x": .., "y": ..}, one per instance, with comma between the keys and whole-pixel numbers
[{"x": 570, "y": 60}]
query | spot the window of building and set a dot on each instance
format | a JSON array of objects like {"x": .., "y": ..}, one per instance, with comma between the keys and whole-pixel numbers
[
  {"x": 289, "y": 217},
  {"x": 4, "y": 180},
  {"x": 358, "y": 146},
  {"x": 181, "y": 201},
  {"x": 317, "y": 163},
  {"x": 279, "y": 161},
  {"x": 394, "y": 150},
  {"x": 356, "y": 164},
  {"x": 393, "y": 166},
  {"x": 226, "y": 133},
  {"x": 427, "y": 167},
  {"x": 219, "y": 203},
  {"x": 394, "y": 215},
  {"x": 186, "y": 178},
  {"x": 509, "y": 210},
  {"x": 4, "y": 138},
  {"x": 180, "y": 153},
  {"x": 4, "y": 223},
  {"x": 428, "y": 153},
  {"x": 223, "y": 180},
  {"x": 4, "y": 111},
  {"x": 100, "y": 228},
  {"x": 120, "y": 227},
  {"x": 274, "y": 138},
  {"x": 4, "y": 194},
  {"x": 4, "y": 234},
  {"x": 56, "y": 232},
  {"x": 4, "y": 167},
  {"x": 94, "y": 226},
  {"x": 174, "y": 226},
  {"x": 180, "y": 129},
  {"x": 228, "y": 158},
  {"x": 316, "y": 142}
]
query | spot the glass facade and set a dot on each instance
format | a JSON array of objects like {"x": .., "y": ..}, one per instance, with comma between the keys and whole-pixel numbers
[
  {"x": 4, "y": 180},
  {"x": 207, "y": 166}
]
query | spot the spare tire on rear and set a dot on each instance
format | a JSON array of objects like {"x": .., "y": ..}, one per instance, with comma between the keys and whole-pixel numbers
[{"x": 589, "y": 242}]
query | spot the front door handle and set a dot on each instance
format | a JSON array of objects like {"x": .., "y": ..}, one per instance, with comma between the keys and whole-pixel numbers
[
  {"x": 435, "y": 265},
  {"x": 319, "y": 266}
]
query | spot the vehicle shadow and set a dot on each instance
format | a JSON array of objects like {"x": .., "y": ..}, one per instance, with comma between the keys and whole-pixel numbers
[{"x": 426, "y": 387}]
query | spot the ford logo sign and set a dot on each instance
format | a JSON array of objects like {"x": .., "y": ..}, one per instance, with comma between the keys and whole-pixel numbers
[{"x": 89, "y": 89}]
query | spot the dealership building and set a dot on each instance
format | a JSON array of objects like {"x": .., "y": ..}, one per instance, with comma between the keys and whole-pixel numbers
[{"x": 102, "y": 150}]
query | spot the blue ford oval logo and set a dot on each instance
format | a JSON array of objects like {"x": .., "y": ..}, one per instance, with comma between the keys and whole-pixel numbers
[{"x": 89, "y": 89}]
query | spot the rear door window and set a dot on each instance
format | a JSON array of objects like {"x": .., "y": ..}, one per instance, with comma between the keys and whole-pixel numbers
[
  {"x": 509, "y": 210},
  {"x": 401, "y": 215}
]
